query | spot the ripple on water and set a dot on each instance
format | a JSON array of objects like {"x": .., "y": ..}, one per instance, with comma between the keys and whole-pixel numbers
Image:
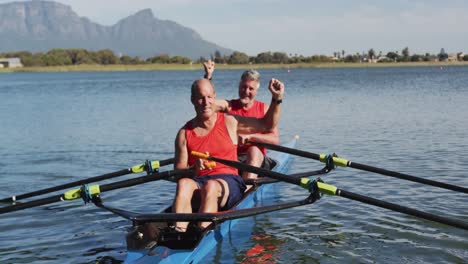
[{"x": 70, "y": 126}]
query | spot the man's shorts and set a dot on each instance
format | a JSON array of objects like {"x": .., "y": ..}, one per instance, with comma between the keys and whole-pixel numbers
[
  {"x": 235, "y": 184},
  {"x": 267, "y": 163}
]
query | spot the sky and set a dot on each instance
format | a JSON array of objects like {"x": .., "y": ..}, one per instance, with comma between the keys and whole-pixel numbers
[{"x": 304, "y": 27}]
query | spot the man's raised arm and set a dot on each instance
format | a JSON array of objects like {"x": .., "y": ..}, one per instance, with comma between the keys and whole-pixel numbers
[{"x": 249, "y": 125}]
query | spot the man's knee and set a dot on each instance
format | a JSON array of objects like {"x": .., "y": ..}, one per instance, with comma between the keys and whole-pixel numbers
[
  {"x": 254, "y": 154},
  {"x": 212, "y": 187},
  {"x": 186, "y": 186}
]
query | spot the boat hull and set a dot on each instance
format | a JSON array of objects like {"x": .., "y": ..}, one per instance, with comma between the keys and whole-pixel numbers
[{"x": 162, "y": 254}]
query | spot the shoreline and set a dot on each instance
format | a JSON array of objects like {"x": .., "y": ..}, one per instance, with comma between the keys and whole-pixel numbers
[{"x": 171, "y": 67}]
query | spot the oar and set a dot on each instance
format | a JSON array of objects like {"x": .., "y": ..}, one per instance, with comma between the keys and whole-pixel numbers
[
  {"x": 87, "y": 192},
  {"x": 347, "y": 163},
  {"x": 332, "y": 190},
  {"x": 149, "y": 166}
]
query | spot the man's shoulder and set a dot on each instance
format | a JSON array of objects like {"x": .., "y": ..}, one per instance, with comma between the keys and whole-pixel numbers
[
  {"x": 233, "y": 102},
  {"x": 188, "y": 125},
  {"x": 223, "y": 105},
  {"x": 258, "y": 102}
]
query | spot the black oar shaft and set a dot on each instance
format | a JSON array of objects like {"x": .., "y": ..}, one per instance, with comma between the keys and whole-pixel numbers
[
  {"x": 402, "y": 209},
  {"x": 30, "y": 204},
  {"x": 307, "y": 174},
  {"x": 67, "y": 185},
  {"x": 102, "y": 188},
  {"x": 407, "y": 177},
  {"x": 78, "y": 183},
  {"x": 257, "y": 170},
  {"x": 143, "y": 179},
  {"x": 368, "y": 168},
  {"x": 293, "y": 151}
]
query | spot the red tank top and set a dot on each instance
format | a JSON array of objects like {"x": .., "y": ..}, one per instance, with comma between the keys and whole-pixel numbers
[
  {"x": 257, "y": 110},
  {"x": 217, "y": 143}
]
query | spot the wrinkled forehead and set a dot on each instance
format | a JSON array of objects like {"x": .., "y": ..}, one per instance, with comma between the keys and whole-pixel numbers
[
  {"x": 202, "y": 87},
  {"x": 245, "y": 83}
]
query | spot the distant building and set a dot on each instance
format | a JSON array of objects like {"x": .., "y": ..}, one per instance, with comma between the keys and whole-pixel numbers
[
  {"x": 452, "y": 57},
  {"x": 10, "y": 63},
  {"x": 384, "y": 59}
]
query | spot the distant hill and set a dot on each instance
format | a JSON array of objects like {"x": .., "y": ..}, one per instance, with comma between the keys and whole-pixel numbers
[{"x": 44, "y": 25}]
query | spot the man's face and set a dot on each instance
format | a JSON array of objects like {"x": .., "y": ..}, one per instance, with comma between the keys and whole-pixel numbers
[
  {"x": 247, "y": 91},
  {"x": 203, "y": 99}
]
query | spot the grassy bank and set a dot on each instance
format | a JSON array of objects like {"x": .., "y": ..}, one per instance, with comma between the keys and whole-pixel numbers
[{"x": 160, "y": 67}]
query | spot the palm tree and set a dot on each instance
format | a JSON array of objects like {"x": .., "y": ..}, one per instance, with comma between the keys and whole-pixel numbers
[{"x": 371, "y": 54}]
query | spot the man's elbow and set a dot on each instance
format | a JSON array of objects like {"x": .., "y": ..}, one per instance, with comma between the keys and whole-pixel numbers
[
  {"x": 267, "y": 125},
  {"x": 180, "y": 166}
]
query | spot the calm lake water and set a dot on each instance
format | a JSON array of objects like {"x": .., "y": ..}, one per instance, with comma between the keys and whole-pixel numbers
[{"x": 61, "y": 127}]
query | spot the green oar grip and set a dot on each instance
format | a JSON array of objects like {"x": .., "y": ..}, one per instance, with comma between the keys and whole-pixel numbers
[
  {"x": 326, "y": 188},
  {"x": 141, "y": 167},
  {"x": 322, "y": 187},
  {"x": 336, "y": 161},
  {"x": 76, "y": 193},
  {"x": 305, "y": 183}
]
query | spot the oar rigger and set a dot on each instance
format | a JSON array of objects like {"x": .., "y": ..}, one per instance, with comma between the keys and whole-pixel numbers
[{"x": 151, "y": 230}]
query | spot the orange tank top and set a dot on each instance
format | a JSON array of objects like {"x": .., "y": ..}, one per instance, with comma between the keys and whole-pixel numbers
[
  {"x": 257, "y": 110},
  {"x": 217, "y": 143}
]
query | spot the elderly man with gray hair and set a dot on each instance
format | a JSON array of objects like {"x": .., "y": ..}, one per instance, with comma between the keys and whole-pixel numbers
[{"x": 246, "y": 105}]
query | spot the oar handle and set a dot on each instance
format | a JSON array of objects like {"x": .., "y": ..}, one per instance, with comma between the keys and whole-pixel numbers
[
  {"x": 209, "y": 164},
  {"x": 199, "y": 155}
]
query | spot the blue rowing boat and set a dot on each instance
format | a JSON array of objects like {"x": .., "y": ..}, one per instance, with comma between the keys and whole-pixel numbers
[{"x": 192, "y": 248}]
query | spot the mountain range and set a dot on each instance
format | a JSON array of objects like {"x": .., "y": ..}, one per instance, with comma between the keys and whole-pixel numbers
[{"x": 39, "y": 26}]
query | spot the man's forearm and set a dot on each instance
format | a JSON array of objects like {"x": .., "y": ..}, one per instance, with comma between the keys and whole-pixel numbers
[
  {"x": 271, "y": 118},
  {"x": 269, "y": 138}
]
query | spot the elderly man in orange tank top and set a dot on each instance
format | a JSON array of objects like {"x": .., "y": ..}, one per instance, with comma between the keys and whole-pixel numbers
[{"x": 217, "y": 133}]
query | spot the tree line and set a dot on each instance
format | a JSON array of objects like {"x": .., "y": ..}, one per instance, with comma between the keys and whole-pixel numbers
[
  {"x": 266, "y": 57},
  {"x": 64, "y": 57},
  {"x": 394, "y": 56}
]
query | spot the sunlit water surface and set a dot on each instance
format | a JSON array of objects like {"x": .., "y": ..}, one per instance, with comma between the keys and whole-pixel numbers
[{"x": 61, "y": 127}]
